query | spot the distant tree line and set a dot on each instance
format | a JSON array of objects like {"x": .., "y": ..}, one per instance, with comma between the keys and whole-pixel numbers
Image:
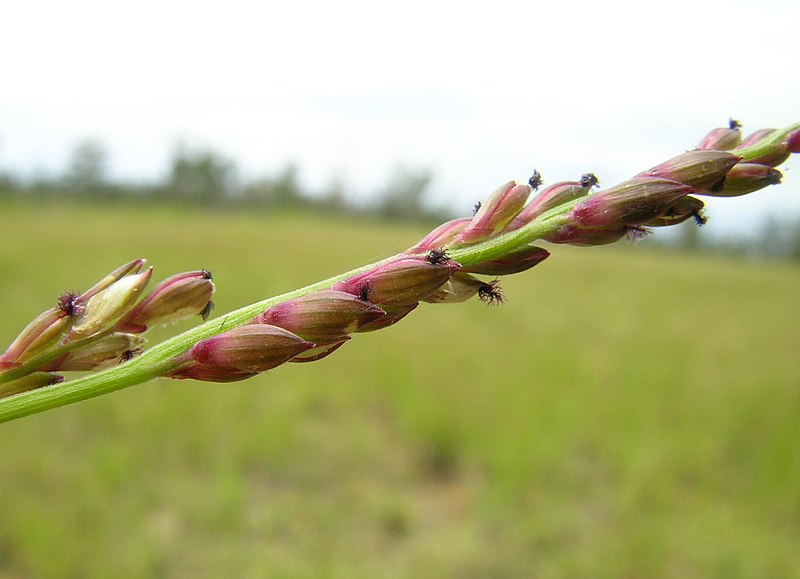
[
  {"x": 776, "y": 238},
  {"x": 205, "y": 176}
]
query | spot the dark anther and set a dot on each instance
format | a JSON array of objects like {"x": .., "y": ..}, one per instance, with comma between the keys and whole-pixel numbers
[
  {"x": 364, "y": 292},
  {"x": 718, "y": 186},
  {"x": 68, "y": 305},
  {"x": 734, "y": 124},
  {"x": 128, "y": 355},
  {"x": 437, "y": 256},
  {"x": 699, "y": 218},
  {"x": 589, "y": 180},
  {"x": 476, "y": 207},
  {"x": 535, "y": 180},
  {"x": 206, "y": 274},
  {"x": 491, "y": 293},
  {"x": 775, "y": 177},
  {"x": 206, "y": 311}
]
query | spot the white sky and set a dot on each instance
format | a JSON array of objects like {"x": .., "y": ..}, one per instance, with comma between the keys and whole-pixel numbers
[{"x": 478, "y": 92}]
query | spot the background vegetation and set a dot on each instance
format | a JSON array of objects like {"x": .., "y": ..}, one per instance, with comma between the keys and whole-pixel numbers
[
  {"x": 628, "y": 413},
  {"x": 204, "y": 176}
]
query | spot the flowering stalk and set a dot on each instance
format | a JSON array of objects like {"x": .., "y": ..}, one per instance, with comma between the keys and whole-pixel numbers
[{"x": 102, "y": 325}]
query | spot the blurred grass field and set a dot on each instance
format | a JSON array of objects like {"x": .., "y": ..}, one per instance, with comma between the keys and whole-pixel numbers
[{"x": 628, "y": 413}]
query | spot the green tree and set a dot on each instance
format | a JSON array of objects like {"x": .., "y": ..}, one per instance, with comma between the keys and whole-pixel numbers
[
  {"x": 283, "y": 189},
  {"x": 404, "y": 196},
  {"x": 86, "y": 171},
  {"x": 202, "y": 175}
]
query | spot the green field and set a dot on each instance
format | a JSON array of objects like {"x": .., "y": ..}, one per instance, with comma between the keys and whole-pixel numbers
[{"x": 628, "y": 413}]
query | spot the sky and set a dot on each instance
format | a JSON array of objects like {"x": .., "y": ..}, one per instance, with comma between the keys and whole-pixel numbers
[{"x": 478, "y": 93}]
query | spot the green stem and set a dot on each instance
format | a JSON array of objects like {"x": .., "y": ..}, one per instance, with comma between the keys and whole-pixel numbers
[
  {"x": 498, "y": 246},
  {"x": 159, "y": 359}
]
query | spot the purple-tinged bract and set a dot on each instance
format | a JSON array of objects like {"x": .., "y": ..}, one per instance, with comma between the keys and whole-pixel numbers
[
  {"x": 571, "y": 234},
  {"x": 322, "y": 316},
  {"x": 37, "y": 337},
  {"x": 496, "y": 212},
  {"x": 440, "y": 237},
  {"x": 722, "y": 138},
  {"x": 174, "y": 299},
  {"x": 632, "y": 202},
  {"x": 207, "y": 373},
  {"x": 400, "y": 282},
  {"x": 700, "y": 170},
  {"x": 250, "y": 348}
]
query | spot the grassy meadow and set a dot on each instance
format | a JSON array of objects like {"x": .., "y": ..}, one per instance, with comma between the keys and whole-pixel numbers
[{"x": 627, "y": 413}]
